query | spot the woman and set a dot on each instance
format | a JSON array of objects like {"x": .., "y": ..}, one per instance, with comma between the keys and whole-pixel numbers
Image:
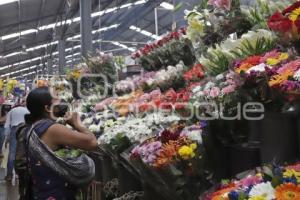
[{"x": 47, "y": 185}]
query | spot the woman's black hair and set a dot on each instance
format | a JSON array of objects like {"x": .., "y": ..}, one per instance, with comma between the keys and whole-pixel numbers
[{"x": 36, "y": 101}]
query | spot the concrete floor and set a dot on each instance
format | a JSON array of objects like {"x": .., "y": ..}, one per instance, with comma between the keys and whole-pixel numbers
[{"x": 8, "y": 191}]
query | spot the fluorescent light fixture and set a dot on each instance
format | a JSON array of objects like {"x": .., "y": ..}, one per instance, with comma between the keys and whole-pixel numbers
[
  {"x": 66, "y": 22},
  {"x": 2, "y": 2},
  {"x": 73, "y": 48},
  {"x": 94, "y": 31},
  {"x": 123, "y": 46},
  {"x": 31, "y": 49},
  {"x": 42, "y": 46},
  {"x": 144, "y": 32},
  {"x": 167, "y": 5},
  {"x": 12, "y": 54},
  {"x": 22, "y": 33}
]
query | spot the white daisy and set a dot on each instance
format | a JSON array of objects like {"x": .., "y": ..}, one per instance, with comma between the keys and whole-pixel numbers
[{"x": 263, "y": 189}]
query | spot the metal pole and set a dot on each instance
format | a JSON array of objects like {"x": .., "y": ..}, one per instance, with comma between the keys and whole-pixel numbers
[
  {"x": 86, "y": 27},
  {"x": 61, "y": 56},
  {"x": 50, "y": 66},
  {"x": 156, "y": 21}
]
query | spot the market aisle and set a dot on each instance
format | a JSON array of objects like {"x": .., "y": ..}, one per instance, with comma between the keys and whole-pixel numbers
[{"x": 7, "y": 191}]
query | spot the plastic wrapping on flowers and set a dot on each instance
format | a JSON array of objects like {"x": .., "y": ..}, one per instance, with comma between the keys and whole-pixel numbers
[
  {"x": 169, "y": 50},
  {"x": 176, "y": 160}
]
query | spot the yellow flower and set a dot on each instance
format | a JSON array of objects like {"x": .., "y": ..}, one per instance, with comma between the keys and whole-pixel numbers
[
  {"x": 186, "y": 152},
  {"x": 284, "y": 56},
  {"x": 193, "y": 146},
  {"x": 275, "y": 61},
  {"x": 196, "y": 24},
  {"x": 295, "y": 14},
  {"x": 292, "y": 173},
  {"x": 75, "y": 74},
  {"x": 1, "y": 84},
  {"x": 258, "y": 198}
]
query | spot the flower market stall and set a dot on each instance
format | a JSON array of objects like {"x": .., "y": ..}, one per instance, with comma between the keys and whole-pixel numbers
[{"x": 215, "y": 99}]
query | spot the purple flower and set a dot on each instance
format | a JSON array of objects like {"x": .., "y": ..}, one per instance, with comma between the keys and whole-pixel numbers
[{"x": 147, "y": 152}]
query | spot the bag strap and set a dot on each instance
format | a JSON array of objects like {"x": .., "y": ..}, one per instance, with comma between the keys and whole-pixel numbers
[{"x": 28, "y": 136}]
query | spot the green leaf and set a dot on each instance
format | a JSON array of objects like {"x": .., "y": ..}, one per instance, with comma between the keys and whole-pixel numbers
[{"x": 178, "y": 7}]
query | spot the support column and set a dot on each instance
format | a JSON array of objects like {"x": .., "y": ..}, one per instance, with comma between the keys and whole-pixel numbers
[
  {"x": 86, "y": 27},
  {"x": 61, "y": 56},
  {"x": 50, "y": 66}
]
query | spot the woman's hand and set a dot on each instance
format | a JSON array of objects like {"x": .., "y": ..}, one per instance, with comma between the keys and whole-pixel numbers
[{"x": 73, "y": 119}]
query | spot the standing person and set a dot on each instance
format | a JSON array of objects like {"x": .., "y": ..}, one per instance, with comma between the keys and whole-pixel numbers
[
  {"x": 46, "y": 182},
  {"x": 5, "y": 108},
  {"x": 14, "y": 118}
]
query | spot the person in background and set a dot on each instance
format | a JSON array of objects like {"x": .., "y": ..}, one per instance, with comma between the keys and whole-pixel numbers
[
  {"x": 5, "y": 108},
  {"x": 14, "y": 118}
]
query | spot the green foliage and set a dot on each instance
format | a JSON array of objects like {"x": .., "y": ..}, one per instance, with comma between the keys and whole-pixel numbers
[
  {"x": 68, "y": 153},
  {"x": 249, "y": 49},
  {"x": 218, "y": 64},
  {"x": 178, "y": 7},
  {"x": 120, "y": 143}
]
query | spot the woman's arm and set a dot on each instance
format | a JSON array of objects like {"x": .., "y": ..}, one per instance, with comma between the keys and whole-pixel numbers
[{"x": 59, "y": 135}]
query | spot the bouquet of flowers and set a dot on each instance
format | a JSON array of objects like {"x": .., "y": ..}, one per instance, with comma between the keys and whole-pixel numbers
[
  {"x": 287, "y": 24},
  {"x": 213, "y": 21},
  {"x": 122, "y": 104},
  {"x": 134, "y": 129},
  {"x": 256, "y": 71},
  {"x": 286, "y": 80},
  {"x": 149, "y": 81},
  {"x": 218, "y": 59},
  {"x": 195, "y": 74},
  {"x": 170, "y": 146},
  {"x": 280, "y": 183},
  {"x": 175, "y": 157},
  {"x": 221, "y": 91},
  {"x": 169, "y": 50}
]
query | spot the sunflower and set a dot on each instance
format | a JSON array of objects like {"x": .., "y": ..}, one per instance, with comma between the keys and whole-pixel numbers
[{"x": 287, "y": 191}]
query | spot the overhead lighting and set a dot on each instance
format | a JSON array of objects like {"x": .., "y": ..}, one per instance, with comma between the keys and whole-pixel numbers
[
  {"x": 22, "y": 33},
  {"x": 144, "y": 32},
  {"x": 167, "y": 5},
  {"x": 66, "y": 22},
  {"x": 42, "y": 46},
  {"x": 123, "y": 46},
  {"x": 75, "y": 54},
  {"x": 94, "y": 31},
  {"x": 2, "y": 2},
  {"x": 12, "y": 54}
]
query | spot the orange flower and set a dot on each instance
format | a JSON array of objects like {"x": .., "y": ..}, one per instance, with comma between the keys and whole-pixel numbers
[
  {"x": 243, "y": 67},
  {"x": 279, "y": 78},
  {"x": 167, "y": 154},
  {"x": 288, "y": 191},
  {"x": 221, "y": 194}
]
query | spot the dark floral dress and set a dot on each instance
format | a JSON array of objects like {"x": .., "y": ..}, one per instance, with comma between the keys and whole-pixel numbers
[{"x": 47, "y": 185}]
